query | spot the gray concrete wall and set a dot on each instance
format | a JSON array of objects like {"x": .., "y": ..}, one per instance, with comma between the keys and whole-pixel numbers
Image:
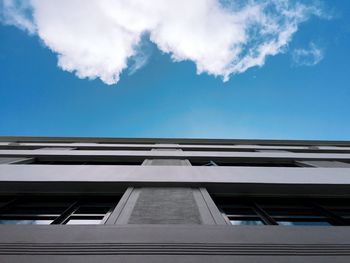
[
  {"x": 166, "y": 205},
  {"x": 175, "y": 174},
  {"x": 173, "y": 243},
  {"x": 175, "y": 154}
]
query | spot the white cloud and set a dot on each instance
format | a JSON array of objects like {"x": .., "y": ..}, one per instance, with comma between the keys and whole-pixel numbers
[
  {"x": 97, "y": 38},
  {"x": 308, "y": 57},
  {"x": 17, "y": 13},
  {"x": 140, "y": 58}
]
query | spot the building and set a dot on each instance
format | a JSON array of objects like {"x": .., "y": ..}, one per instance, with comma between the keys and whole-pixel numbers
[{"x": 173, "y": 200}]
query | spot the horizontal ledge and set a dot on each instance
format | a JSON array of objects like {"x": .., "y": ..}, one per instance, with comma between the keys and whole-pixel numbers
[
  {"x": 169, "y": 140},
  {"x": 172, "y": 249},
  {"x": 171, "y": 154}
]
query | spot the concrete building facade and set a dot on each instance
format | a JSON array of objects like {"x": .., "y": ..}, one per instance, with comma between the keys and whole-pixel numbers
[{"x": 173, "y": 200}]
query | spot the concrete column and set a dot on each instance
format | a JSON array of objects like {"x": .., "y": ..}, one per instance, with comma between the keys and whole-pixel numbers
[{"x": 167, "y": 205}]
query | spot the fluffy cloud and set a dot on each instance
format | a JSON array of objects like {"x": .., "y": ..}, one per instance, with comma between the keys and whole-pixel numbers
[
  {"x": 308, "y": 57},
  {"x": 99, "y": 38}
]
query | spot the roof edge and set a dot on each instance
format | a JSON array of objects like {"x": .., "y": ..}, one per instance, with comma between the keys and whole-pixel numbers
[{"x": 171, "y": 140}]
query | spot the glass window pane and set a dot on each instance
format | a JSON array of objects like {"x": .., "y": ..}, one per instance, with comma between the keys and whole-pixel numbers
[
  {"x": 35, "y": 210},
  {"x": 25, "y": 222},
  {"x": 285, "y": 211},
  {"x": 83, "y": 221},
  {"x": 239, "y": 211},
  {"x": 246, "y": 222},
  {"x": 45, "y": 209},
  {"x": 303, "y": 223},
  {"x": 92, "y": 210}
]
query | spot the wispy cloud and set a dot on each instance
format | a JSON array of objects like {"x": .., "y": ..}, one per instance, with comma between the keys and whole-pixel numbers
[
  {"x": 17, "y": 13},
  {"x": 141, "y": 57},
  {"x": 97, "y": 38},
  {"x": 310, "y": 56}
]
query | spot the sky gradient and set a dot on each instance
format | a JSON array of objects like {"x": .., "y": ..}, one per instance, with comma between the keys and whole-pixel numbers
[{"x": 284, "y": 99}]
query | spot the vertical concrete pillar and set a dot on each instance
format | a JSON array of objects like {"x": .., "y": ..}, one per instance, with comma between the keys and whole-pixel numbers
[{"x": 165, "y": 206}]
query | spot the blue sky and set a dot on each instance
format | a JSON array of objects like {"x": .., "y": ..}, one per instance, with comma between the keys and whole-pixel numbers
[{"x": 283, "y": 99}]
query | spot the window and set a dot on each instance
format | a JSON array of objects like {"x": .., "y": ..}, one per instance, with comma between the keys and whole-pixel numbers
[
  {"x": 210, "y": 163},
  {"x": 56, "y": 210},
  {"x": 284, "y": 211},
  {"x": 247, "y": 162},
  {"x": 255, "y": 162},
  {"x": 216, "y": 149},
  {"x": 15, "y": 160},
  {"x": 325, "y": 163},
  {"x": 81, "y": 161},
  {"x": 340, "y": 207},
  {"x": 18, "y": 147}
]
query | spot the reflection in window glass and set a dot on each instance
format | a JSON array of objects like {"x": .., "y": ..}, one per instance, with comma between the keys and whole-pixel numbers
[
  {"x": 284, "y": 211},
  {"x": 303, "y": 223},
  {"x": 83, "y": 222},
  {"x": 25, "y": 222},
  {"x": 246, "y": 222},
  {"x": 56, "y": 210}
]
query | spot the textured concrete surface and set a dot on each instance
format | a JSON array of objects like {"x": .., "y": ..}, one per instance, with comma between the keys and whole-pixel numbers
[
  {"x": 165, "y": 206},
  {"x": 167, "y": 162}
]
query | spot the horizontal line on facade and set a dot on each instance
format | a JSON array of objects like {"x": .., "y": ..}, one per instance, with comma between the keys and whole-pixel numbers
[
  {"x": 171, "y": 154},
  {"x": 168, "y": 140},
  {"x": 172, "y": 249}
]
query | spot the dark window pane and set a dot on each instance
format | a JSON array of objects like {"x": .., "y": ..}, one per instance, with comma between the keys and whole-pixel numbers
[
  {"x": 239, "y": 211},
  {"x": 57, "y": 210},
  {"x": 92, "y": 210},
  {"x": 284, "y": 211},
  {"x": 35, "y": 210}
]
